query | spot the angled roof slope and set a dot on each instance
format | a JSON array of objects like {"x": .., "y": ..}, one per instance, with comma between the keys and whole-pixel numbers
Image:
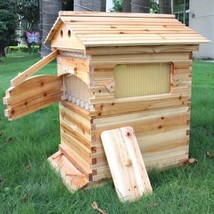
[{"x": 95, "y": 29}]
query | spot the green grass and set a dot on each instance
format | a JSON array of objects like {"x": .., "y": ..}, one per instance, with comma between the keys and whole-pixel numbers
[{"x": 28, "y": 185}]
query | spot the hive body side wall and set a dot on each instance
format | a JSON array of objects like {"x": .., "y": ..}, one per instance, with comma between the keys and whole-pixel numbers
[{"x": 161, "y": 122}]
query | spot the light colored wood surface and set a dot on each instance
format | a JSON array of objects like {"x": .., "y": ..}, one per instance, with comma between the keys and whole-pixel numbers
[
  {"x": 31, "y": 95},
  {"x": 70, "y": 175},
  {"x": 75, "y": 132},
  {"x": 126, "y": 163},
  {"x": 141, "y": 49},
  {"x": 116, "y": 14},
  {"x": 95, "y": 29},
  {"x": 161, "y": 122},
  {"x": 34, "y": 68}
]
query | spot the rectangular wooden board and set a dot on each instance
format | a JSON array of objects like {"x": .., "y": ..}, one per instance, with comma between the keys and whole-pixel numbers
[
  {"x": 126, "y": 163},
  {"x": 31, "y": 95}
]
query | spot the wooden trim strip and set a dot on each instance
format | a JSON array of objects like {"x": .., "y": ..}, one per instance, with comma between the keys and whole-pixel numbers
[{"x": 34, "y": 68}]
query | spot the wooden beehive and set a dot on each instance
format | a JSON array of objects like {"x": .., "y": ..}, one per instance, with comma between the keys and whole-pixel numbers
[{"x": 114, "y": 70}]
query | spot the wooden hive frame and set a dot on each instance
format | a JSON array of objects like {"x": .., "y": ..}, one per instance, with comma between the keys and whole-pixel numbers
[{"x": 89, "y": 47}]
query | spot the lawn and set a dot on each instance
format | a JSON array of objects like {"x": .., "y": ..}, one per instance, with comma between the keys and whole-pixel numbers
[{"x": 28, "y": 185}]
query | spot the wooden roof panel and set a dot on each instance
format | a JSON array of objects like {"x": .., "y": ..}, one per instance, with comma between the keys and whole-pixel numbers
[{"x": 129, "y": 29}]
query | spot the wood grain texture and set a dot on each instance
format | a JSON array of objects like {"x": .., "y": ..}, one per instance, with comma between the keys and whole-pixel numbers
[
  {"x": 126, "y": 163},
  {"x": 97, "y": 29},
  {"x": 33, "y": 94},
  {"x": 70, "y": 175},
  {"x": 141, "y": 49},
  {"x": 34, "y": 68}
]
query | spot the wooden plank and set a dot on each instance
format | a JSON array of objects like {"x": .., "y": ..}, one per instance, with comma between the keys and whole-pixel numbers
[
  {"x": 78, "y": 116},
  {"x": 77, "y": 146},
  {"x": 33, "y": 94},
  {"x": 141, "y": 49},
  {"x": 71, "y": 176},
  {"x": 131, "y": 31},
  {"x": 159, "y": 119},
  {"x": 167, "y": 157},
  {"x": 75, "y": 159},
  {"x": 116, "y": 14},
  {"x": 152, "y": 122},
  {"x": 110, "y": 36},
  {"x": 72, "y": 130},
  {"x": 34, "y": 68},
  {"x": 122, "y": 19},
  {"x": 74, "y": 109},
  {"x": 163, "y": 41},
  {"x": 145, "y": 104},
  {"x": 123, "y": 29},
  {"x": 115, "y": 23},
  {"x": 126, "y": 163},
  {"x": 139, "y": 58},
  {"x": 176, "y": 62}
]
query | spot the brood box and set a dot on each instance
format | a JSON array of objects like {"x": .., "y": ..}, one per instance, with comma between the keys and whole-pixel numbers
[{"x": 114, "y": 70}]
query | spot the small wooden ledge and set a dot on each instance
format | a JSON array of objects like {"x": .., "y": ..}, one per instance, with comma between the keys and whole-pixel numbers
[{"x": 71, "y": 176}]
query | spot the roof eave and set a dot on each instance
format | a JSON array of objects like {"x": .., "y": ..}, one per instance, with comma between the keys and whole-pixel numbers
[
  {"x": 53, "y": 30},
  {"x": 146, "y": 43}
]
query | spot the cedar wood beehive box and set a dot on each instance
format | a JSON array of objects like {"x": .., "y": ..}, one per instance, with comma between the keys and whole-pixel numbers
[{"x": 114, "y": 70}]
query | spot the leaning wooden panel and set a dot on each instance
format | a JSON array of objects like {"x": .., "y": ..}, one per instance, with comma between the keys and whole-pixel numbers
[{"x": 126, "y": 163}]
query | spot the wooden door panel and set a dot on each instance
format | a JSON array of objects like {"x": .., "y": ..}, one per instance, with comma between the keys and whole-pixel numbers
[{"x": 31, "y": 95}]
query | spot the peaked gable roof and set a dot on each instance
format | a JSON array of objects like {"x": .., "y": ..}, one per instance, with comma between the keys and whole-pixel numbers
[{"x": 96, "y": 29}]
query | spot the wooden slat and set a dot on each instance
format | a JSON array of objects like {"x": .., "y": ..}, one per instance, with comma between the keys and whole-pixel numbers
[
  {"x": 141, "y": 49},
  {"x": 123, "y": 36},
  {"x": 76, "y": 115},
  {"x": 139, "y": 58},
  {"x": 143, "y": 42},
  {"x": 115, "y": 14},
  {"x": 75, "y": 159},
  {"x": 75, "y": 145},
  {"x": 126, "y": 163},
  {"x": 74, "y": 109},
  {"x": 121, "y": 29},
  {"x": 92, "y": 32},
  {"x": 117, "y": 108},
  {"x": 160, "y": 122},
  {"x": 34, "y": 68},
  {"x": 138, "y": 117}
]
